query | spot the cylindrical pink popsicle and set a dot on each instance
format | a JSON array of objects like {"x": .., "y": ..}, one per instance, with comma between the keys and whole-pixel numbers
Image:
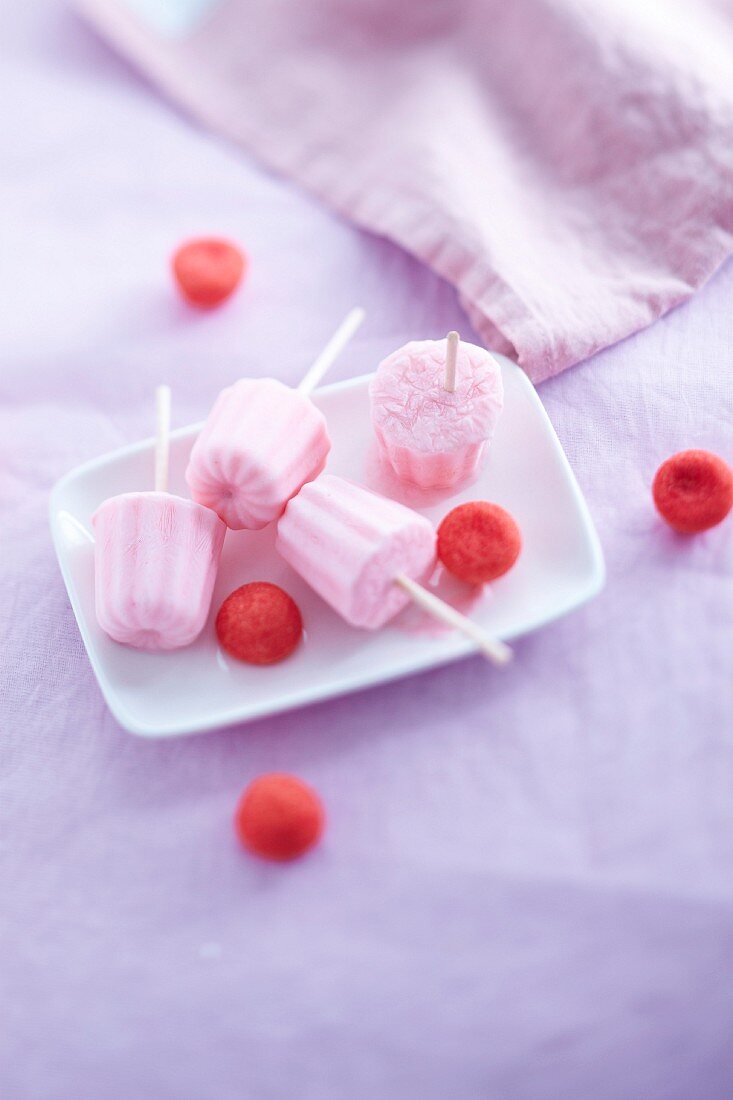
[
  {"x": 261, "y": 442},
  {"x": 432, "y": 437},
  {"x": 350, "y": 544},
  {"x": 155, "y": 557}
]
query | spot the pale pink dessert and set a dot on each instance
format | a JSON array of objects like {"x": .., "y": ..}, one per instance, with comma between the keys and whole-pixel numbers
[
  {"x": 350, "y": 545},
  {"x": 431, "y": 436},
  {"x": 261, "y": 442},
  {"x": 155, "y": 560}
]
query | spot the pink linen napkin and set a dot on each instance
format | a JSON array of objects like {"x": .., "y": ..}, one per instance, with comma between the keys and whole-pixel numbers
[{"x": 566, "y": 164}]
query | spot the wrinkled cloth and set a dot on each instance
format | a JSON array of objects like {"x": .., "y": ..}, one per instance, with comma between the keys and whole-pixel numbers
[
  {"x": 525, "y": 888},
  {"x": 566, "y": 164}
]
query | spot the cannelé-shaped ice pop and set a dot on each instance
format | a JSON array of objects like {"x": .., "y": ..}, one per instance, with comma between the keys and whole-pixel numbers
[
  {"x": 155, "y": 559},
  {"x": 435, "y": 405},
  {"x": 350, "y": 544},
  {"x": 262, "y": 441},
  {"x": 367, "y": 556}
]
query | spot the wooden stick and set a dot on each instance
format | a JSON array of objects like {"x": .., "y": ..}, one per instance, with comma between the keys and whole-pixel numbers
[
  {"x": 332, "y": 350},
  {"x": 451, "y": 354},
  {"x": 493, "y": 649},
  {"x": 162, "y": 437}
]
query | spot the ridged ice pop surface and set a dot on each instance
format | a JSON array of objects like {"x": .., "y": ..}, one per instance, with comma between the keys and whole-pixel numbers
[
  {"x": 430, "y": 436},
  {"x": 349, "y": 544},
  {"x": 155, "y": 562},
  {"x": 261, "y": 442}
]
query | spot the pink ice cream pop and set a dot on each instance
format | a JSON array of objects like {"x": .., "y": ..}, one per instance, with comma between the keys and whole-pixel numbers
[
  {"x": 435, "y": 405},
  {"x": 155, "y": 559},
  {"x": 368, "y": 557},
  {"x": 262, "y": 441}
]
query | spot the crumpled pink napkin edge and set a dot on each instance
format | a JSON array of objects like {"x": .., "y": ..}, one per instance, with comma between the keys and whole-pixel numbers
[{"x": 492, "y": 307}]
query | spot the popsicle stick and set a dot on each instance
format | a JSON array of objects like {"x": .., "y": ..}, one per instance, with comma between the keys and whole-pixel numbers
[
  {"x": 332, "y": 350},
  {"x": 449, "y": 382},
  {"x": 493, "y": 649},
  {"x": 162, "y": 437}
]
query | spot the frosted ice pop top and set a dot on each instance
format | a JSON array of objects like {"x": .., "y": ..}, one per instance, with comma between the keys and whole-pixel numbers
[
  {"x": 261, "y": 442},
  {"x": 435, "y": 405},
  {"x": 155, "y": 560}
]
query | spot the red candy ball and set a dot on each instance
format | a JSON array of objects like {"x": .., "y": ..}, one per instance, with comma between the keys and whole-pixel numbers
[
  {"x": 279, "y": 817},
  {"x": 208, "y": 270},
  {"x": 259, "y": 623},
  {"x": 693, "y": 490},
  {"x": 478, "y": 542}
]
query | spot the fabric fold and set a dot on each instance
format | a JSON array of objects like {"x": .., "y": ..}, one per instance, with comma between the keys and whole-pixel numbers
[{"x": 566, "y": 164}]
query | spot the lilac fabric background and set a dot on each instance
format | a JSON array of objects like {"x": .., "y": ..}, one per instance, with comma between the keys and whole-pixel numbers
[{"x": 525, "y": 889}]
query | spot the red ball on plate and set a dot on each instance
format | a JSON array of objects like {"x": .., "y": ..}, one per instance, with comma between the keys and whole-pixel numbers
[
  {"x": 208, "y": 270},
  {"x": 279, "y": 817},
  {"x": 478, "y": 542},
  {"x": 693, "y": 490},
  {"x": 259, "y": 623}
]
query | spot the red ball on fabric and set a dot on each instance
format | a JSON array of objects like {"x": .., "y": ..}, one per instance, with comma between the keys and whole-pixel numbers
[
  {"x": 208, "y": 270},
  {"x": 279, "y": 817},
  {"x": 478, "y": 542},
  {"x": 693, "y": 490},
  {"x": 259, "y": 623}
]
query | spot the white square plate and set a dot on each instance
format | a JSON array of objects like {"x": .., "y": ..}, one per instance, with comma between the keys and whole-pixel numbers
[{"x": 200, "y": 688}]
